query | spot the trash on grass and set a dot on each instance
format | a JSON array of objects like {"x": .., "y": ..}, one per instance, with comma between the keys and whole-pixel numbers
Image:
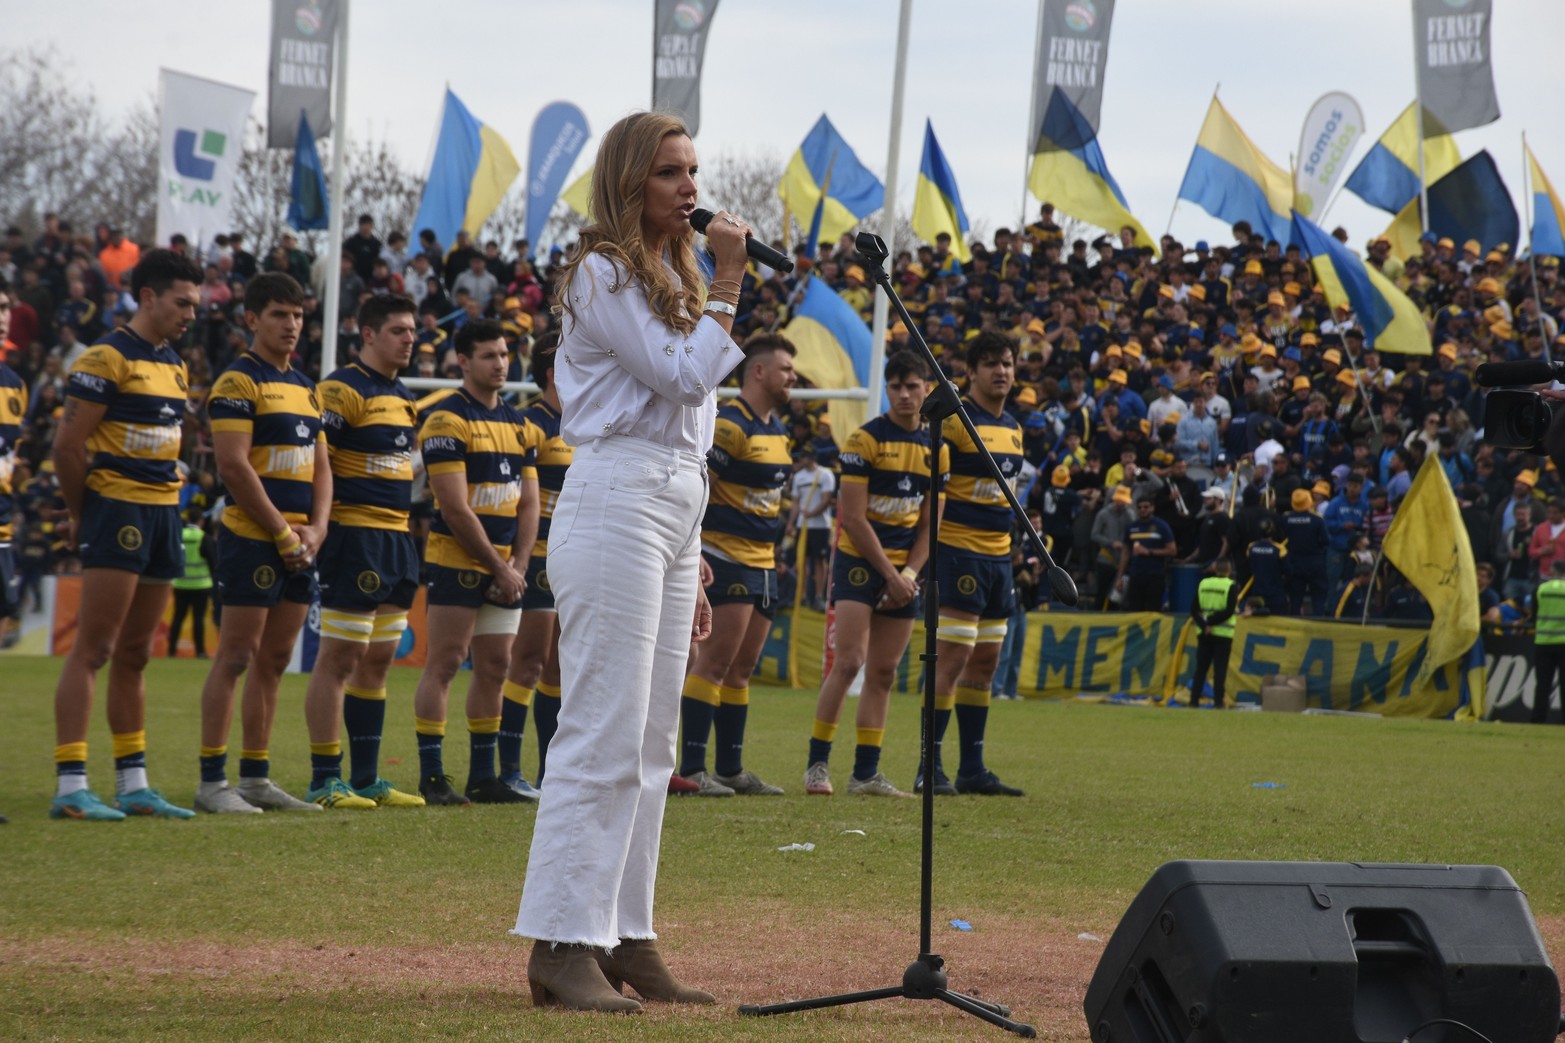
[
  {"x": 797, "y": 847},
  {"x": 961, "y": 925},
  {"x": 853, "y": 832},
  {"x": 1268, "y": 785},
  {"x": 1088, "y": 936}
]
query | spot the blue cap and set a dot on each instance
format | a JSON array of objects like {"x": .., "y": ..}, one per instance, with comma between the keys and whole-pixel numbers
[
  {"x": 1166, "y": 381},
  {"x": 1428, "y": 237},
  {"x": 1036, "y": 420},
  {"x": 1228, "y": 330},
  {"x": 1201, "y": 247},
  {"x": 1195, "y": 333},
  {"x": 948, "y": 319},
  {"x": 1293, "y": 353}
]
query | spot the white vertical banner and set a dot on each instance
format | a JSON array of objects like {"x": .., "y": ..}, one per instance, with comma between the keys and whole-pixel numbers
[
  {"x": 1331, "y": 130},
  {"x": 202, "y": 127}
]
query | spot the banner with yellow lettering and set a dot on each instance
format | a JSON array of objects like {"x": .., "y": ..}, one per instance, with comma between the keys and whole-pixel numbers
[{"x": 1369, "y": 669}]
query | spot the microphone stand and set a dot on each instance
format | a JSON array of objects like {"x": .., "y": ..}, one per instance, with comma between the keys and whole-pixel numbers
[{"x": 926, "y": 978}]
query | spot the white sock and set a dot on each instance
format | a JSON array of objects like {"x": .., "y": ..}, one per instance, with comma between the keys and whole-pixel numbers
[
  {"x": 129, "y": 780},
  {"x": 65, "y": 785}
]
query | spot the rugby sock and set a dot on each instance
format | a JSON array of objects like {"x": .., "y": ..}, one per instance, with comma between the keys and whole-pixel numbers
[
  {"x": 866, "y": 755},
  {"x": 513, "y": 725},
  {"x": 431, "y": 735},
  {"x": 214, "y": 763},
  {"x": 325, "y": 763},
  {"x": 728, "y": 724},
  {"x": 70, "y": 768},
  {"x": 482, "y": 735},
  {"x": 972, "y": 714},
  {"x": 364, "y": 718},
  {"x": 130, "y": 762},
  {"x": 697, "y": 707},
  {"x": 821, "y": 735},
  {"x": 546, "y": 718},
  {"x": 254, "y": 764}
]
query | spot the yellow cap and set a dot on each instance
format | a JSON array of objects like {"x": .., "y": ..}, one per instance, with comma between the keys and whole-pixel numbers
[{"x": 1302, "y": 501}]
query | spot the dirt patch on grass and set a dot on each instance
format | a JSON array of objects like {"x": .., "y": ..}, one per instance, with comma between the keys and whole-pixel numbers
[{"x": 1039, "y": 969}]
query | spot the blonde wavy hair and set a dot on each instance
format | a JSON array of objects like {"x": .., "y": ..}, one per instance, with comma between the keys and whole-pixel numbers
[{"x": 618, "y": 181}]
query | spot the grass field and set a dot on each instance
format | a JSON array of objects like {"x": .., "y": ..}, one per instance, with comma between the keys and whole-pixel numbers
[{"x": 392, "y": 925}]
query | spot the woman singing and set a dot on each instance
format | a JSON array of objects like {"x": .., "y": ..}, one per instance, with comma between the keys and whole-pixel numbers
[{"x": 643, "y": 347}]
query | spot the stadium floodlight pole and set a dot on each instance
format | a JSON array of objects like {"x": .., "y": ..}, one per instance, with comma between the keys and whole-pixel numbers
[
  {"x": 1033, "y": 130},
  {"x": 339, "y": 151},
  {"x": 888, "y": 213},
  {"x": 925, "y": 978}
]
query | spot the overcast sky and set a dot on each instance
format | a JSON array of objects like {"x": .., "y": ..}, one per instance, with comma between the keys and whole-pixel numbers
[{"x": 773, "y": 66}]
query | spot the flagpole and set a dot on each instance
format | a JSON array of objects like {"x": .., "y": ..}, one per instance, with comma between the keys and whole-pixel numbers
[
  {"x": 1175, "y": 208},
  {"x": 1418, "y": 100},
  {"x": 1532, "y": 251},
  {"x": 1032, "y": 114},
  {"x": 339, "y": 150},
  {"x": 888, "y": 215}
]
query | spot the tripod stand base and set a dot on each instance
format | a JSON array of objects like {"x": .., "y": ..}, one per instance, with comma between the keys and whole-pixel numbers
[{"x": 924, "y": 979}]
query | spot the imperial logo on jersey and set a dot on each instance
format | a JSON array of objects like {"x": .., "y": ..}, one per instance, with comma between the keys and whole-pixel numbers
[
  {"x": 894, "y": 465},
  {"x": 749, "y": 463},
  {"x": 554, "y": 458},
  {"x": 13, "y": 407},
  {"x": 977, "y": 517},
  {"x": 370, "y": 430},
  {"x": 280, "y": 411},
  {"x": 132, "y": 453},
  {"x": 492, "y": 448}
]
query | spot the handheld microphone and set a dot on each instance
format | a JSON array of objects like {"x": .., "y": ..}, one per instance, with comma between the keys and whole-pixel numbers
[
  {"x": 757, "y": 250},
  {"x": 1524, "y": 373}
]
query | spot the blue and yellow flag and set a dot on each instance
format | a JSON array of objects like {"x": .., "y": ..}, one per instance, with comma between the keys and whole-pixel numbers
[
  {"x": 1387, "y": 176},
  {"x": 1231, "y": 179},
  {"x": 307, "y": 201},
  {"x": 1076, "y": 178},
  {"x": 834, "y": 348},
  {"x": 468, "y": 176},
  {"x": 825, "y": 173},
  {"x": 937, "y": 207},
  {"x": 1548, "y": 216},
  {"x": 1428, "y": 544},
  {"x": 1391, "y": 321}
]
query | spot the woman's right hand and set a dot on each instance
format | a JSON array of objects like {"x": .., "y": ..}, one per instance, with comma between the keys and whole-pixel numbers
[{"x": 726, "y": 235}]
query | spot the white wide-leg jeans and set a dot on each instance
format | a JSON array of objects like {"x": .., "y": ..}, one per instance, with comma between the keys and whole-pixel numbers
[{"x": 624, "y": 547}]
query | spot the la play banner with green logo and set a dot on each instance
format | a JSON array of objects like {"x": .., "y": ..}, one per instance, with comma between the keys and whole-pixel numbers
[{"x": 200, "y": 141}]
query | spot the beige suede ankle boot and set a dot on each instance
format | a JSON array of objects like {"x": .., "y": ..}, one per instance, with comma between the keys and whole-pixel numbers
[
  {"x": 569, "y": 976},
  {"x": 636, "y": 962}
]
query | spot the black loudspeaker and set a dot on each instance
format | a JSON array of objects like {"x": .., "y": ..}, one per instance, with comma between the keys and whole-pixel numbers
[{"x": 1324, "y": 952}]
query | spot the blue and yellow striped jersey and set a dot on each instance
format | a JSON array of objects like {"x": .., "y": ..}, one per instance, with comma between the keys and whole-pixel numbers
[
  {"x": 894, "y": 464},
  {"x": 281, "y": 413},
  {"x": 491, "y": 448},
  {"x": 977, "y": 517},
  {"x": 370, "y": 429},
  {"x": 749, "y": 463},
  {"x": 554, "y": 457},
  {"x": 13, "y": 407},
  {"x": 131, "y": 454}
]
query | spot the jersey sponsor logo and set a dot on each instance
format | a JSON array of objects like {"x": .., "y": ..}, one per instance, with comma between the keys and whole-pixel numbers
[
  {"x": 369, "y": 581},
  {"x": 302, "y": 430},
  {"x": 440, "y": 444},
  {"x": 763, "y": 501},
  {"x": 90, "y": 382},
  {"x": 264, "y": 577},
  {"x": 332, "y": 420},
  {"x": 851, "y": 459},
  {"x": 289, "y": 459},
  {"x": 894, "y": 506},
  {"x": 387, "y": 463},
  {"x": 130, "y": 538},
  {"x": 858, "y": 575},
  {"x": 967, "y": 584},
  {"x": 240, "y": 405},
  {"x": 494, "y": 494}
]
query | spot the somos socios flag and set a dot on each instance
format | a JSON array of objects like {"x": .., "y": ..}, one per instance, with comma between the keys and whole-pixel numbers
[
  {"x": 1331, "y": 131},
  {"x": 201, "y": 136}
]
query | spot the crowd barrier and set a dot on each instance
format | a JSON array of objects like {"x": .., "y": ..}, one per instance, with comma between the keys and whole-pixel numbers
[{"x": 1066, "y": 655}]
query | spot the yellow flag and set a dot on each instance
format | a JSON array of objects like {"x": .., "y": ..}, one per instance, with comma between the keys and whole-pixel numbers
[
  {"x": 578, "y": 195},
  {"x": 1428, "y": 543}
]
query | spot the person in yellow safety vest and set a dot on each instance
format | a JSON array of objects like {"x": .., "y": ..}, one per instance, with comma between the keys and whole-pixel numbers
[
  {"x": 1548, "y": 649},
  {"x": 1216, "y": 603},
  {"x": 192, "y": 592}
]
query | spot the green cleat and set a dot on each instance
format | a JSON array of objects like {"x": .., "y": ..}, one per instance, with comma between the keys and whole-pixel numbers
[
  {"x": 385, "y": 795},
  {"x": 84, "y": 806},
  {"x": 334, "y": 793}
]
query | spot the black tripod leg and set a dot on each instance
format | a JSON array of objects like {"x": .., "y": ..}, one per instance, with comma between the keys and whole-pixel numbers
[
  {"x": 751, "y": 1010},
  {"x": 985, "y": 1011},
  {"x": 999, "y": 1008}
]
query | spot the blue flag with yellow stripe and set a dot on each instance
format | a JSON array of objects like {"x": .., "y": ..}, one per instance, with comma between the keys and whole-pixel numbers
[
  {"x": 825, "y": 175},
  {"x": 937, "y": 206},
  {"x": 833, "y": 346}
]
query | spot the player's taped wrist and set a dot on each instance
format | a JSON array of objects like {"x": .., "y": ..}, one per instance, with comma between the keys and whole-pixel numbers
[{"x": 910, "y": 573}]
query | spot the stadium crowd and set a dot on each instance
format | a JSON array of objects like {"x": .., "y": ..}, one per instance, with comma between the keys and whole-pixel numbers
[{"x": 1214, "y": 382}]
